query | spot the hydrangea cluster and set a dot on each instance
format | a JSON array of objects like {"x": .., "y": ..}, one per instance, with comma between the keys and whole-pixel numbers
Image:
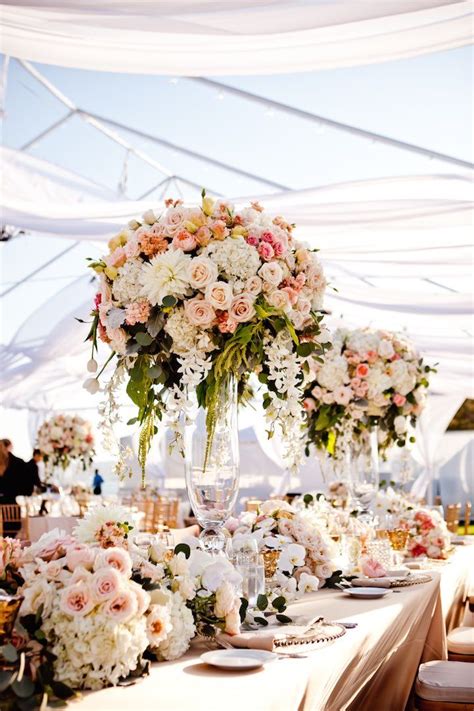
[
  {"x": 64, "y": 438},
  {"x": 369, "y": 377},
  {"x": 193, "y": 295}
]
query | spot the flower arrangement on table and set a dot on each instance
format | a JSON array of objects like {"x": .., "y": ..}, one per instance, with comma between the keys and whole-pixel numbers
[
  {"x": 64, "y": 438},
  {"x": 298, "y": 547},
  {"x": 369, "y": 377},
  {"x": 192, "y": 295}
]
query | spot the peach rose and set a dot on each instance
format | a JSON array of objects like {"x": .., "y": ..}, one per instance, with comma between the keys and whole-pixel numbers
[
  {"x": 105, "y": 583},
  {"x": 279, "y": 299},
  {"x": 184, "y": 240},
  {"x": 242, "y": 308},
  {"x": 201, "y": 272},
  {"x": 174, "y": 220},
  {"x": 115, "y": 558},
  {"x": 219, "y": 295},
  {"x": 80, "y": 555},
  {"x": 76, "y": 600},
  {"x": 122, "y": 607},
  {"x": 203, "y": 236},
  {"x": 199, "y": 312}
]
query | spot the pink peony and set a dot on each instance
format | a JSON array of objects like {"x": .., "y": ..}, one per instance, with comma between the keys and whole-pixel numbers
[
  {"x": 199, "y": 312},
  {"x": 242, "y": 308},
  {"x": 266, "y": 251},
  {"x": 122, "y": 607},
  {"x": 399, "y": 400},
  {"x": 372, "y": 568},
  {"x": 76, "y": 600},
  {"x": 184, "y": 240},
  {"x": 105, "y": 583}
]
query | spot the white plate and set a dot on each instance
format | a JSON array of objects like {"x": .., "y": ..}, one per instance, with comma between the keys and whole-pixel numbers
[
  {"x": 239, "y": 659},
  {"x": 367, "y": 592}
]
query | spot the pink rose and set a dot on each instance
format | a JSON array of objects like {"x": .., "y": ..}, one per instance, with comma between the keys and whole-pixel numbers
[
  {"x": 372, "y": 356},
  {"x": 309, "y": 404},
  {"x": 122, "y": 607},
  {"x": 184, "y": 240},
  {"x": 203, "y": 236},
  {"x": 105, "y": 583},
  {"x": 343, "y": 395},
  {"x": 51, "y": 548},
  {"x": 201, "y": 272},
  {"x": 80, "y": 555},
  {"x": 76, "y": 600},
  {"x": 219, "y": 295},
  {"x": 372, "y": 568},
  {"x": 115, "y": 558},
  {"x": 292, "y": 294},
  {"x": 362, "y": 370},
  {"x": 399, "y": 400},
  {"x": 253, "y": 240},
  {"x": 242, "y": 308},
  {"x": 267, "y": 237},
  {"x": 199, "y": 312},
  {"x": 266, "y": 251},
  {"x": 279, "y": 247}
]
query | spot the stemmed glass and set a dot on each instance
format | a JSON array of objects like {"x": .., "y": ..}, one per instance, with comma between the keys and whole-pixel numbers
[{"x": 365, "y": 475}]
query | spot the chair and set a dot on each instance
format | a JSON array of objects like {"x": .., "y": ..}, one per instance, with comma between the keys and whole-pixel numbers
[
  {"x": 444, "y": 686},
  {"x": 461, "y": 645},
  {"x": 11, "y": 522},
  {"x": 453, "y": 512},
  {"x": 467, "y": 517},
  {"x": 158, "y": 512}
]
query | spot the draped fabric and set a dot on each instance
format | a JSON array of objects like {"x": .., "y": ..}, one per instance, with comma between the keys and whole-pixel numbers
[{"x": 210, "y": 37}]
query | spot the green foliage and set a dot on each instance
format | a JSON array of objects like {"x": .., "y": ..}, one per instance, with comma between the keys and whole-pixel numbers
[{"x": 183, "y": 548}]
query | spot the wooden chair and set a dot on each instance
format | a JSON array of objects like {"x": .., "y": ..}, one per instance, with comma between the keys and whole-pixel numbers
[
  {"x": 444, "y": 686},
  {"x": 11, "y": 522},
  {"x": 467, "y": 517},
  {"x": 453, "y": 512}
]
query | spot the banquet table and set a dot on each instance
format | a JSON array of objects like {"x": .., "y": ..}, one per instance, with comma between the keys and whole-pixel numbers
[{"x": 371, "y": 667}]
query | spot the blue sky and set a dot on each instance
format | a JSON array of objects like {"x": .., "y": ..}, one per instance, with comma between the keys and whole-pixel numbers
[{"x": 425, "y": 101}]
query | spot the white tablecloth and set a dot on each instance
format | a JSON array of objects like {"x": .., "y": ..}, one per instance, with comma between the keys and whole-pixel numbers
[{"x": 372, "y": 667}]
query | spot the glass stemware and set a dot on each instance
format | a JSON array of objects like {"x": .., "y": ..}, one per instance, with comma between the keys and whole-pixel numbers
[{"x": 365, "y": 475}]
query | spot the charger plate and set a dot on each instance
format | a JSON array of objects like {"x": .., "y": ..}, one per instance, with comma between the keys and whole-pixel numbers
[{"x": 316, "y": 636}]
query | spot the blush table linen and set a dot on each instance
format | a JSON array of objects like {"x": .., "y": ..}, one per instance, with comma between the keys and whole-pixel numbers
[
  {"x": 37, "y": 525},
  {"x": 373, "y": 666}
]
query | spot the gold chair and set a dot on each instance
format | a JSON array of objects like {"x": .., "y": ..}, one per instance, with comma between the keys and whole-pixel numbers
[
  {"x": 453, "y": 512},
  {"x": 161, "y": 511},
  {"x": 11, "y": 522},
  {"x": 467, "y": 517}
]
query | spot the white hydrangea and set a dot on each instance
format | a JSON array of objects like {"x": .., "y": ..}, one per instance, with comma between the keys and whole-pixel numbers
[
  {"x": 362, "y": 341},
  {"x": 234, "y": 258},
  {"x": 182, "y": 626},
  {"x": 183, "y": 333},
  {"x": 333, "y": 373},
  {"x": 128, "y": 284}
]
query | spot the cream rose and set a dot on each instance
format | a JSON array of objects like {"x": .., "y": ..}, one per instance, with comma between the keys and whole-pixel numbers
[
  {"x": 122, "y": 607},
  {"x": 76, "y": 600},
  {"x": 158, "y": 624},
  {"x": 271, "y": 272},
  {"x": 279, "y": 300},
  {"x": 201, "y": 272},
  {"x": 115, "y": 558},
  {"x": 253, "y": 285},
  {"x": 199, "y": 312},
  {"x": 242, "y": 308},
  {"x": 219, "y": 295},
  {"x": 80, "y": 556}
]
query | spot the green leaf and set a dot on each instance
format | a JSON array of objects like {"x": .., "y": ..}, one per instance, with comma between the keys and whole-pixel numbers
[
  {"x": 262, "y": 602},
  {"x": 244, "y": 603},
  {"x": 279, "y": 603},
  {"x": 137, "y": 391},
  {"x": 62, "y": 691},
  {"x": 23, "y": 688},
  {"x": 308, "y": 499},
  {"x": 305, "y": 349},
  {"x": 6, "y": 678},
  {"x": 284, "y": 619},
  {"x": 169, "y": 301},
  {"x": 143, "y": 338},
  {"x": 154, "y": 372},
  {"x": 183, "y": 548},
  {"x": 9, "y": 653},
  {"x": 261, "y": 621},
  {"x": 132, "y": 421}
]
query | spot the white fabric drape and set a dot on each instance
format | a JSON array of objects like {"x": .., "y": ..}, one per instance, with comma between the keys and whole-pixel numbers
[{"x": 210, "y": 37}]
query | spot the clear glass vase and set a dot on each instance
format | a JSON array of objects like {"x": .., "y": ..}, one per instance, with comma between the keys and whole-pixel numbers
[
  {"x": 365, "y": 474},
  {"x": 212, "y": 463}
]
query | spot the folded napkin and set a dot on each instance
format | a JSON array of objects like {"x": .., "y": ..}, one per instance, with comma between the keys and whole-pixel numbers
[
  {"x": 372, "y": 582},
  {"x": 266, "y": 637}
]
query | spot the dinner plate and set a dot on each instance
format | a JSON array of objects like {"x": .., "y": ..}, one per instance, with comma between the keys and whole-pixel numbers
[
  {"x": 238, "y": 659},
  {"x": 367, "y": 592}
]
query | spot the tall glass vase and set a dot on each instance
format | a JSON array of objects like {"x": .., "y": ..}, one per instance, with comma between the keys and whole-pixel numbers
[
  {"x": 212, "y": 463},
  {"x": 365, "y": 474}
]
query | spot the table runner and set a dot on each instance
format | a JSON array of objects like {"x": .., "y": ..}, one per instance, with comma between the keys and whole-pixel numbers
[{"x": 371, "y": 667}]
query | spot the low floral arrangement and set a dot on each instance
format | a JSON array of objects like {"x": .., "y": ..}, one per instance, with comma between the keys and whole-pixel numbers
[
  {"x": 64, "y": 438},
  {"x": 328, "y": 516},
  {"x": 369, "y": 377},
  {"x": 304, "y": 550},
  {"x": 193, "y": 295},
  {"x": 429, "y": 534}
]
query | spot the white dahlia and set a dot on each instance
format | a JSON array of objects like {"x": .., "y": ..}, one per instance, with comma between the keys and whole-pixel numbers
[{"x": 165, "y": 275}]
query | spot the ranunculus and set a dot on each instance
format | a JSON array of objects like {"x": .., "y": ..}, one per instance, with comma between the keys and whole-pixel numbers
[
  {"x": 279, "y": 299},
  {"x": 362, "y": 370},
  {"x": 271, "y": 272},
  {"x": 122, "y": 607},
  {"x": 399, "y": 400},
  {"x": 80, "y": 555},
  {"x": 199, "y": 312},
  {"x": 105, "y": 583},
  {"x": 372, "y": 568},
  {"x": 242, "y": 308},
  {"x": 76, "y": 600},
  {"x": 219, "y": 295},
  {"x": 201, "y": 272}
]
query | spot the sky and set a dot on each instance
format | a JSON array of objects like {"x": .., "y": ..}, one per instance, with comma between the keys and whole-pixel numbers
[{"x": 426, "y": 101}]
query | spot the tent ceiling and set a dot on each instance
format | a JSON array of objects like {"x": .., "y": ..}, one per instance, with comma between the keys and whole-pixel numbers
[{"x": 210, "y": 37}]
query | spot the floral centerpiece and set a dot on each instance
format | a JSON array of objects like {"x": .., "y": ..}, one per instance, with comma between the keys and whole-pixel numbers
[
  {"x": 301, "y": 550},
  {"x": 369, "y": 377},
  {"x": 63, "y": 438},
  {"x": 191, "y": 296}
]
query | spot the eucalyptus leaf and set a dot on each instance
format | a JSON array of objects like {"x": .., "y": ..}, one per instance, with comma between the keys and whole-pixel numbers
[
  {"x": 155, "y": 324},
  {"x": 284, "y": 619},
  {"x": 183, "y": 548},
  {"x": 262, "y": 602},
  {"x": 143, "y": 338},
  {"x": 169, "y": 301},
  {"x": 23, "y": 688},
  {"x": 261, "y": 621},
  {"x": 115, "y": 317},
  {"x": 9, "y": 653}
]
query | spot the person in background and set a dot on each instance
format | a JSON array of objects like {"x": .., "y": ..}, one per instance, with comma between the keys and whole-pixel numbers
[
  {"x": 12, "y": 473},
  {"x": 97, "y": 483},
  {"x": 32, "y": 480}
]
